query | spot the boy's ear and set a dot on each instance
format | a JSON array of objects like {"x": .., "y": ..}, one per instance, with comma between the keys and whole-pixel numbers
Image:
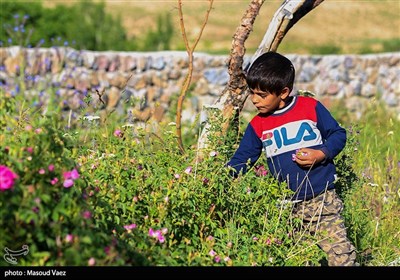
[{"x": 285, "y": 93}]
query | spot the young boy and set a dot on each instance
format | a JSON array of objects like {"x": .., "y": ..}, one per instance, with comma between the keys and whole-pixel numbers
[{"x": 300, "y": 139}]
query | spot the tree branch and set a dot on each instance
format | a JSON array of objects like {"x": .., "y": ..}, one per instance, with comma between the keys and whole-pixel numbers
[{"x": 188, "y": 77}]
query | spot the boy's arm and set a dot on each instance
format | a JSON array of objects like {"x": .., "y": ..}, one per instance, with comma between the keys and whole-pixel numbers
[
  {"x": 333, "y": 135},
  {"x": 248, "y": 152}
]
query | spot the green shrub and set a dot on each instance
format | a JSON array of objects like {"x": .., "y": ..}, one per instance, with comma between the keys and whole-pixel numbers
[
  {"x": 85, "y": 25},
  {"x": 137, "y": 200},
  {"x": 45, "y": 207},
  {"x": 140, "y": 184},
  {"x": 159, "y": 39}
]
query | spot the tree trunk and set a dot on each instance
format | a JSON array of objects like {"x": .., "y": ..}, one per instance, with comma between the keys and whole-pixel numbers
[{"x": 232, "y": 99}]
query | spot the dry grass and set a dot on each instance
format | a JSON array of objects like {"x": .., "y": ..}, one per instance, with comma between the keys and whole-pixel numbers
[{"x": 349, "y": 24}]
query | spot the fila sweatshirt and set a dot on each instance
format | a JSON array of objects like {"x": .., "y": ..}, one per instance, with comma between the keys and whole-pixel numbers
[{"x": 303, "y": 123}]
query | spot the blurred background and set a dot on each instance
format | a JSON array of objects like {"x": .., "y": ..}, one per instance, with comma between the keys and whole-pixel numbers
[{"x": 334, "y": 27}]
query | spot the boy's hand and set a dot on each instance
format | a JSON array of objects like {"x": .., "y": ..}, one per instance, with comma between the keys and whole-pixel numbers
[{"x": 306, "y": 157}]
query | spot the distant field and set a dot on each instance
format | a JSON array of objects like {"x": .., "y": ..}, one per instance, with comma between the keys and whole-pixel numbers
[{"x": 352, "y": 25}]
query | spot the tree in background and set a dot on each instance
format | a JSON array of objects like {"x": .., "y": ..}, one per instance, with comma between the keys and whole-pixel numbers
[
  {"x": 160, "y": 39},
  {"x": 84, "y": 25}
]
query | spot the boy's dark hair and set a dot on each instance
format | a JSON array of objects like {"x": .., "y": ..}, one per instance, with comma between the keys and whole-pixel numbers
[{"x": 271, "y": 72}]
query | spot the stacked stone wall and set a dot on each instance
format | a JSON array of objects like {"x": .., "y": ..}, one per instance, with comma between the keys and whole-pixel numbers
[{"x": 147, "y": 83}]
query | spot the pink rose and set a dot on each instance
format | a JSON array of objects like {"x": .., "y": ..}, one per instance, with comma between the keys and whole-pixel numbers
[{"x": 7, "y": 178}]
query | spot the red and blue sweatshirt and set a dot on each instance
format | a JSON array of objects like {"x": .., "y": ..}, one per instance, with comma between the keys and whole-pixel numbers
[{"x": 303, "y": 123}]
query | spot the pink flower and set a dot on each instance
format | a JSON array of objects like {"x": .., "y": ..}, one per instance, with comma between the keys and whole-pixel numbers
[
  {"x": 130, "y": 227},
  {"x": 42, "y": 171},
  {"x": 212, "y": 253},
  {"x": 54, "y": 181},
  {"x": 157, "y": 235},
  {"x": 69, "y": 238},
  {"x": 86, "y": 214},
  {"x": 73, "y": 174},
  {"x": 51, "y": 167},
  {"x": 68, "y": 183},
  {"x": 67, "y": 175},
  {"x": 91, "y": 261},
  {"x": 7, "y": 178},
  {"x": 261, "y": 171},
  {"x": 70, "y": 177},
  {"x": 188, "y": 170},
  {"x": 29, "y": 150},
  {"x": 161, "y": 239},
  {"x": 118, "y": 133}
]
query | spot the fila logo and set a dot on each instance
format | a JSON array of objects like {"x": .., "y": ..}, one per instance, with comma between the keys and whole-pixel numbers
[{"x": 304, "y": 133}]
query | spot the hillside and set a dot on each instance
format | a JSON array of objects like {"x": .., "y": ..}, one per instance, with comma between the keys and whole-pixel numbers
[{"x": 353, "y": 26}]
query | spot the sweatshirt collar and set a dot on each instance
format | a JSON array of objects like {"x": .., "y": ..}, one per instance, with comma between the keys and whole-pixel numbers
[{"x": 287, "y": 107}]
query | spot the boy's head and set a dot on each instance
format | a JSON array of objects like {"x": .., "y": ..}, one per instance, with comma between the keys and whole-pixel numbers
[{"x": 271, "y": 72}]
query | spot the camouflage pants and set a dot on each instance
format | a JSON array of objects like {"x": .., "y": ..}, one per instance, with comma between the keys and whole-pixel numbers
[{"x": 322, "y": 216}]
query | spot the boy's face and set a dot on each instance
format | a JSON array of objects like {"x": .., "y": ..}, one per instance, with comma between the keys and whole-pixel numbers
[{"x": 267, "y": 102}]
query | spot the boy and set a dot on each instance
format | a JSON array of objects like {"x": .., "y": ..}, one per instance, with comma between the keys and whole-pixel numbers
[{"x": 300, "y": 139}]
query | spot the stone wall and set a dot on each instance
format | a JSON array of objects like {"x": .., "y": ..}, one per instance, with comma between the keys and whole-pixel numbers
[{"x": 145, "y": 85}]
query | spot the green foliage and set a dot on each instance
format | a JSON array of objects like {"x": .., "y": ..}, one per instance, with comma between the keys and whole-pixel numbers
[
  {"x": 347, "y": 177},
  {"x": 392, "y": 45},
  {"x": 140, "y": 183},
  {"x": 325, "y": 49},
  {"x": 380, "y": 136},
  {"x": 369, "y": 179},
  {"x": 41, "y": 210},
  {"x": 137, "y": 200},
  {"x": 86, "y": 25},
  {"x": 159, "y": 39},
  {"x": 150, "y": 205}
]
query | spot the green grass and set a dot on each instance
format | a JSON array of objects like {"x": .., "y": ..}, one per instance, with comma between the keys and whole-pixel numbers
[{"x": 373, "y": 209}]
